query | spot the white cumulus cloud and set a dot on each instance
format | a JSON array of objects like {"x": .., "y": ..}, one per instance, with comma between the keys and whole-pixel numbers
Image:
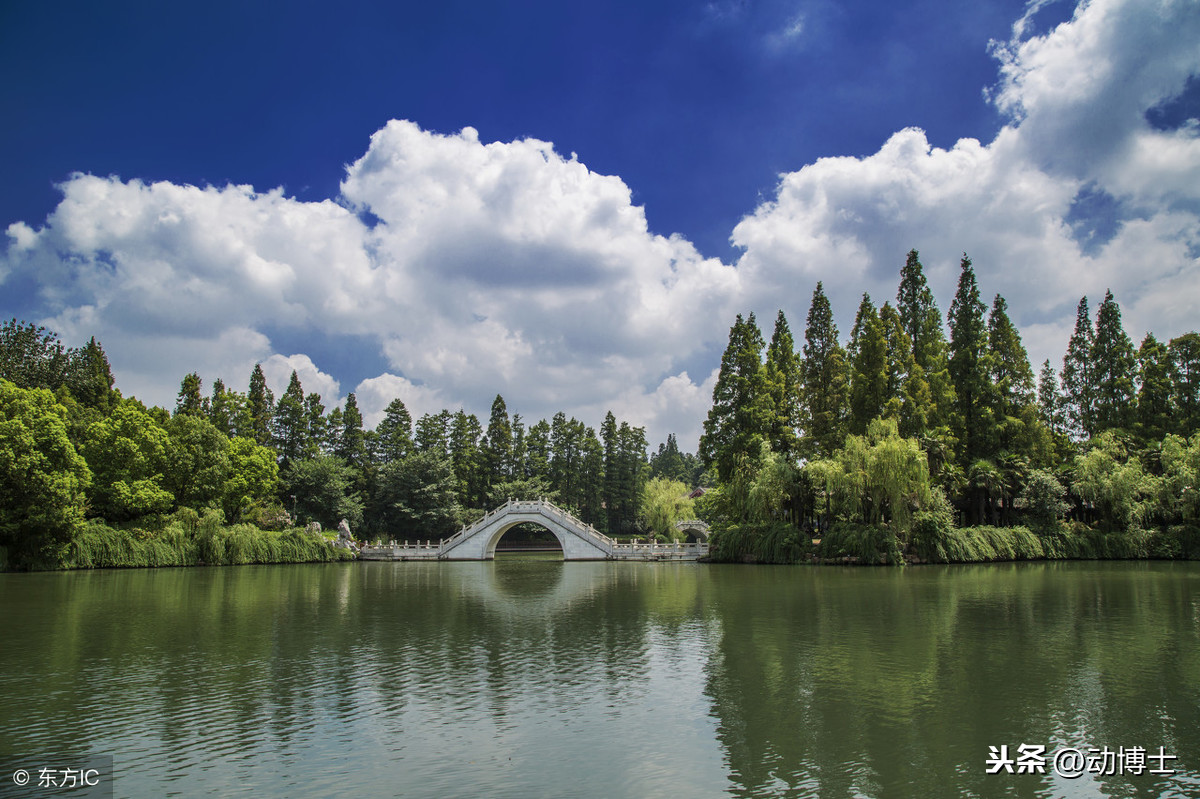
[{"x": 473, "y": 268}]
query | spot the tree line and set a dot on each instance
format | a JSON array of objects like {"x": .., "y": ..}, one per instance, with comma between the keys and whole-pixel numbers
[
  {"x": 73, "y": 451},
  {"x": 911, "y": 416}
]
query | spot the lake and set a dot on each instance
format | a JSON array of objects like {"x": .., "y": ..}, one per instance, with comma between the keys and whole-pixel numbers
[{"x": 529, "y": 677}]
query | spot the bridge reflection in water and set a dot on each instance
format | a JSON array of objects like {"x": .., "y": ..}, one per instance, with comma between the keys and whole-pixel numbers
[{"x": 578, "y": 539}]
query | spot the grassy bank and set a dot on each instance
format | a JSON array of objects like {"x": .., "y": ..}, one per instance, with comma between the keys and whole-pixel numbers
[
  {"x": 876, "y": 545},
  {"x": 185, "y": 539}
]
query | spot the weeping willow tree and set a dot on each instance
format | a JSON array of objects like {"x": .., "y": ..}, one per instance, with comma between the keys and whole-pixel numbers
[{"x": 878, "y": 479}]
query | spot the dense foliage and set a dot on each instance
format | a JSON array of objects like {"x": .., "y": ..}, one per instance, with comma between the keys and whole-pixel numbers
[
  {"x": 915, "y": 440},
  {"x": 92, "y": 478}
]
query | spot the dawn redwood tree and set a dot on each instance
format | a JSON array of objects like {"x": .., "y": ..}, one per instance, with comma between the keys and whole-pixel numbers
[
  {"x": 189, "y": 402},
  {"x": 1112, "y": 369},
  {"x": 612, "y": 471},
  {"x": 782, "y": 384},
  {"x": 969, "y": 368},
  {"x": 314, "y": 414},
  {"x": 1154, "y": 406},
  {"x": 498, "y": 445},
  {"x": 868, "y": 368},
  {"x": 1013, "y": 408},
  {"x": 1078, "y": 385},
  {"x": 432, "y": 433},
  {"x": 738, "y": 420},
  {"x": 537, "y": 452},
  {"x": 466, "y": 458},
  {"x": 908, "y": 397},
  {"x": 1049, "y": 398},
  {"x": 922, "y": 321},
  {"x": 1184, "y": 353},
  {"x": 351, "y": 442},
  {"x": 825, "y": 387},
  {"x": 394, "y": 434},
  {"x": 289, "y": 426},
  {"x": 261, "y": 405}
]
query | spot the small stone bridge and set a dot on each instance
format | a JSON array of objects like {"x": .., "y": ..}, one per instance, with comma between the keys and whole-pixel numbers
[{"x": 579, "y": 540}]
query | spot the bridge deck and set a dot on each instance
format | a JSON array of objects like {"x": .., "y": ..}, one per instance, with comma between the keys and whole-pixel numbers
[{"x": 580, "y": 541}]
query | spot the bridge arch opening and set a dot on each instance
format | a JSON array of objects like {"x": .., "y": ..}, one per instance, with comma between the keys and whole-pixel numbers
[{"x": 528, "y": 539}]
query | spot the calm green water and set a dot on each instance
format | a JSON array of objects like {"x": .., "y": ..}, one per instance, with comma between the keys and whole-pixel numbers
[{"x": 531, "y": 677}]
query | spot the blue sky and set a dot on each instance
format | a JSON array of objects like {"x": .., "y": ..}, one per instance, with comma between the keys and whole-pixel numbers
[{"x": 572, "y": 202}]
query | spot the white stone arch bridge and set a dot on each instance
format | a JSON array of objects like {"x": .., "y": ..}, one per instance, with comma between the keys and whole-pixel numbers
[{"x": 578, "y": 539}]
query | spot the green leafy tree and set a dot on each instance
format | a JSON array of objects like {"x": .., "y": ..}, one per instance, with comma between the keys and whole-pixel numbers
[
  {"x": 198, "y": 461},
  {"x": 1045, "y": 501},
  {"x": 631, "y": 465},
  {"x": 129, "y": 454},
  {"x": 43, "y": 480},
  {"x": 737, "y": 423},
  {"x": 416, "y": 498},
  {"x": 253, "y": 479},
  {"x": 825, "y": 380},
  {"x": 877, "y": 479},
  {"x": 322, "y": 489},
  {"x": 1122, "y": 493},
  {"x": 1112, "y": 369},
  {"x": 665, "y": 502},
  {"x": 1180, "y": 485}
]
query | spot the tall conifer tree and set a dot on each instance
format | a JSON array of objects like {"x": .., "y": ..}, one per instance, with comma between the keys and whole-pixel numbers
[
  {"x": 1077, "y": 380},
  {"x": 1184, "y": 353},
  {"x": 1112, "y": 369},
  {"x": 261, "y": 406},
  {"x": 969, "y": 368},
  {"x": 499, "y": 444},
  {"x": 825, "y": 380},
  {"x": 189, "y": 401},
  {"x": 782, "y": 380},
  {"x": 868, "y": 368},
  {"x": 394, "y": 439},
  {"x": 289, "y": 426},
  {"x": 1154, "y": 407},
  {"x": 737, "y": 422},
  {"x": 922, "y": 321}
]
